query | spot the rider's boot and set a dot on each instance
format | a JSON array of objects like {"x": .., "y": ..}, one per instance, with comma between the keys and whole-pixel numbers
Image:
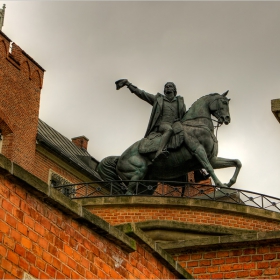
[{"x": 163, "y": 142}]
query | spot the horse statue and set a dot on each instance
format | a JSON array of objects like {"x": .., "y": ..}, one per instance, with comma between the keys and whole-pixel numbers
[{"x": 198, "y": 150}]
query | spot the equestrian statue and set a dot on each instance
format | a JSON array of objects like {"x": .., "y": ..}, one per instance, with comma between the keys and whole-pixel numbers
[{"x": 176, "y": 141}]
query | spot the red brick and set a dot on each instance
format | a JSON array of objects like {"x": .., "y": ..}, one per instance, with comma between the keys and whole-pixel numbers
[
  {"x": 263, "y": 264},
  {"x": 29, "y": 221},
  {"x": 26, "y": 243},
  {"x": 230, "y": 275},
  {"x": 4, "y": 227},
  {"x": 269, "y": 256},
  {"x": 25, "y": 207},
  {"x": 205, "y": 262},
  {"x": 56, "y": 263},
  {"x": 249, "y": 266},
  {"x": 245, "y": 259},
  {"x": 34, "y": 271},
  {"x": 72, "y": 263},
  {"x": 15, "y": 199},
  {"x": 275, "y": 264},
  {"x": 256, "y": 273},
  {"x": 222, "y": 254},
  {"x": 9, "y": 242},
  {"x": 31, "y": 258},
  {"x": 33, "y": 236},
  {"x": 242, "y": 274},
  {"x": 7, "y": 265},
  {"x": 37, "y": 250},
  {"x": 60, "y": 275},
  {"x": 43, "y": 243},
  {"x": 232, "y": 260},
  {"x": 226, "y": 267},
  {"x": 250, "y": 251},
  {"x": 74, "y": 275},
  {"x": 7, "y": 206},
  {"x": 3, "y": 251},
  {"x": 211, "y": 255},
  {"x": 11, "y": 220},
  {"x": 218, "y": 261},
  {"x": 263, "y": 250},
  {"x": 47, "y": 257},
  {"x": 39, "y": 229},
  {"x": 66, "y": 270},
  {"x": 62, "y": 257},
  {"x": 19, "y": 214},
  {"x": 23, "y": 264},
  {"x": 22, "y": 228},
  {"x": 51, "y": 271},
  {"x": 52, "y": 250},
  {"x": 270, "y": 271},
  {"x": 2, "y": 214},
  {"x": 192, "y": 263},
  {"x": 199, "y": 270},
  {"x": 217, "y": 276},
  {"x": 17, "y": 272},
  {"x": 196, "y": 256},
  {"x": 257, "y": 258},
  {"x": 12, "y": 257},
  {"x": 15, "y": 235},
  {"x": 40, "y": 264}
]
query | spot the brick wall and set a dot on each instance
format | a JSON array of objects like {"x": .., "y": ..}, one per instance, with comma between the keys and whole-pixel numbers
[
  {"x": 44, "y": 242},
  {"x": 126, "y": 214},
  {"x": 256, "y": 262},
  {"x": 21, "y": 82}
]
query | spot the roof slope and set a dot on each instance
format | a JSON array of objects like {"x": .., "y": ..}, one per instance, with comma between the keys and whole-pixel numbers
[{"x": 65, "y": 148}]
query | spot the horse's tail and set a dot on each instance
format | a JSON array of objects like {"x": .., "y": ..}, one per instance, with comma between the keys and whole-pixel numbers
[{"x": 107, "y": 168}]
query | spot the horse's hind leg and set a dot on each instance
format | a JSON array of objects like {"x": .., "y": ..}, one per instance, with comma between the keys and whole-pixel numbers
[{"x": 133, "y": 169}]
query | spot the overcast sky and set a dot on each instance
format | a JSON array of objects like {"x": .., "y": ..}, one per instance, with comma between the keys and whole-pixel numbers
[{"x": 202, "y": 47}]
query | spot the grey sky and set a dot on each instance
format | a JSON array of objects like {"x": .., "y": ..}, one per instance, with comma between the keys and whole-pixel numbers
[{"x": 202, "y": 47}]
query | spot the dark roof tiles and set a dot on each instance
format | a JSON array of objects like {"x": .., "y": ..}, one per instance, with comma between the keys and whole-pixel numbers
[{"x": 68, "y": 150}]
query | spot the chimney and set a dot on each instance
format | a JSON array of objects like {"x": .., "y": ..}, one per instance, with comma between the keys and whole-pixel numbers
[{"x": 81, "y": 142}]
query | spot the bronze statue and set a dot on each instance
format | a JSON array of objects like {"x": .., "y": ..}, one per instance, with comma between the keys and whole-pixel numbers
[
  {"x": 168, "y": 110},
  {"x": 192, "y": 147}
]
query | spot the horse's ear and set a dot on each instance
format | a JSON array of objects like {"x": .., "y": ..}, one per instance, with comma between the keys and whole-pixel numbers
[
  {"x": 225, "y": 93},
  {"x": 228, "y": 99}
]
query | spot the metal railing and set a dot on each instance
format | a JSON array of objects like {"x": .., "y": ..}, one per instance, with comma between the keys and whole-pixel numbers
[{"x": 170, "y": 189}]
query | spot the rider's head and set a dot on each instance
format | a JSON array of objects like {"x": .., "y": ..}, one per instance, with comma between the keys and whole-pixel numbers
[{"x": 168, "y": 87}]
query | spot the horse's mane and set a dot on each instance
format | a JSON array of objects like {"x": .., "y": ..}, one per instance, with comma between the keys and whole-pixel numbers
[{"x": 203, "y": 97}]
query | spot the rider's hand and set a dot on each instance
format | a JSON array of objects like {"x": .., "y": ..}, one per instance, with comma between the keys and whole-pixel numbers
[{"x": 121, "y": 83}]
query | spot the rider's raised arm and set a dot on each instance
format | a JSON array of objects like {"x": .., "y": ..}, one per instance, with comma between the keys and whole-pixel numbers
[{"x": 148, "y": 97}]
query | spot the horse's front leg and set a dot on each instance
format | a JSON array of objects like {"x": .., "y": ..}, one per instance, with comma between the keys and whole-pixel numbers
[
  {"x": 218, "y": 163},
  {"x": 201, "y": 155}
]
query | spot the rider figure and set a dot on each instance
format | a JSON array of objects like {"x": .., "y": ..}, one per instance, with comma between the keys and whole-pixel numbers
[{"x": 167, "y": 110}]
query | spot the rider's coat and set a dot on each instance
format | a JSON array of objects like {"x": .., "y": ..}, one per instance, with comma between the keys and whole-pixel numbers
[{"x": 157, "y": 102}]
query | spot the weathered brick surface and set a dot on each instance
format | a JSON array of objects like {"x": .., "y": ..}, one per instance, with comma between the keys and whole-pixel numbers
[
  {"x": 125, "y": 214},
  {"x": 21, "y": 81},
  {"x": 46, "y": 243},
  {"x": 260, "y": 262}
]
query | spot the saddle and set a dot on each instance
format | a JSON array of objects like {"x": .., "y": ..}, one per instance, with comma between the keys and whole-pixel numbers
[{"x": 151, "y": 142}]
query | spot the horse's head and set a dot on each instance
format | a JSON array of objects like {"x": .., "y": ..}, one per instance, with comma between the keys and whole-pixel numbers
[{"x": 219, "y": 108}]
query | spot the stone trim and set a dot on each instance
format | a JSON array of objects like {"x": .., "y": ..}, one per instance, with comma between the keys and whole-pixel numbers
[
  {"x": 136, "y": 233},
  {"x": 185, "y": 226},
  {"x": 253, "y": 238}
]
